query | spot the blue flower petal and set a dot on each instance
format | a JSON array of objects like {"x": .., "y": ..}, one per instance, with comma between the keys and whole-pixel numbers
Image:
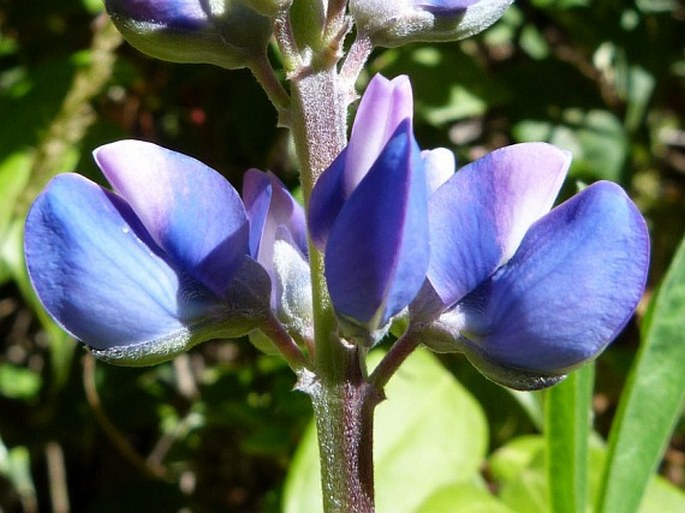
[
  {"x": 257, "y": 194},
  {"x": 570, "y": 288},
  {"x": 448, "y": 7},
  {"x": 98, "y": 272},
  {"x": 271, "y": 207},
  {"x": 384, "y": 105},
  {"x": 377, "y": 253},
  {"x": 479, "y": 216},
  {"x": 327, "y": 200},
  {"x": 189, "y": 209},
  {"x": 176, "y": 14}
]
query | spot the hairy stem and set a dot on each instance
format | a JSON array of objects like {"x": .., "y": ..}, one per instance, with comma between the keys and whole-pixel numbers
[
  {"x": 264, "y": 73},
  {"x": 344, "y": 422}
]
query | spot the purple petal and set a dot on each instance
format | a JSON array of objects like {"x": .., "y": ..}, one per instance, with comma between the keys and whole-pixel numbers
[
  {"x": 439, "y": 165},
  {"x": 271, "y": 208},
  {"x": 326, "y": 201},
  {"x": 444, "y": 7},
  {"x": 479, "y": 217},
  {"x": 98, "y": 272},
  {"x": 377, "y": 254},
  {"x": 177, "y": 14},
  {"x": 384, "y": 105},
  {"x": 569, "y": 290},
  {"x": 257, "y": 198},
  {"x": 189, "y": 209}
]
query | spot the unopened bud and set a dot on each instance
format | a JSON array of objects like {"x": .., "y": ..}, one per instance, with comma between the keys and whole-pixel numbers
[
  {"x": 226, "y": 33},
  {"x": 393, "y": 23}
]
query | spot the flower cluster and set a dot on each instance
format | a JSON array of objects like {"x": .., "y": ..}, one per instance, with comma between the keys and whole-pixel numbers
[
  {"x": 170, "y": 258},
  {"x": 475, "y": 261}
]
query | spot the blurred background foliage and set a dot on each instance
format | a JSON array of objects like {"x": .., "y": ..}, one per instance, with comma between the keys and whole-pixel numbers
[{"x": 216, "y": 430}]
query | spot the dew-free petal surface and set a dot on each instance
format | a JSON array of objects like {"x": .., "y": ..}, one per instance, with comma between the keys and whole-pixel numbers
[
  {"x": 190, "y": 210},
  {"x": 444, "y": 6},
  {"x": 570, "y": 288},
  {"x": 384, "y": 105},
  {"x": 480, "y": 215},
  {"x": 98, "y": 272},
  {"x": 377, "y": 253}
]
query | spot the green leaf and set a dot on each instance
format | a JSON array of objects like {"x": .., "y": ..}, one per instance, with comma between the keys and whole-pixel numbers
[
  {"x": 463, "y": 498},
  {"x": 652, "y": 400},
  {"x": 596, "y": 139},
  {"x": 567, "y": 428},
  {"x": 518, "y": 470},
  {"x": 429, "y": 433},
  {"x": 19, "y": 382}
]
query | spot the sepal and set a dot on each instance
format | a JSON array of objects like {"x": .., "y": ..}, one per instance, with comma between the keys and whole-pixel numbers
[
  {"x": 391, "y": 23},
  {"x": 225, "y": 33}
]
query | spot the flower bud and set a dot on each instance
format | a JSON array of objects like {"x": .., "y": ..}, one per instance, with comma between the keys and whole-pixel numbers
[
  {"x": 393, "y": 23},
  {"x": 221, "y": 32}
]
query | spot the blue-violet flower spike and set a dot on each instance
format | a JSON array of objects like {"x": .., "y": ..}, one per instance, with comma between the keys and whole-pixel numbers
[{"x": 149, "y": 270}]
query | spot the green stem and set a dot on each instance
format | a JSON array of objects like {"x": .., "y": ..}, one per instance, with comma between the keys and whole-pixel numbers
[
  {"x": 283, "y": 31},
  {"x": 344, "y": 423},
  {"x": 264, "y": 73},
  {"x": 398, "y": 353},
  {"x": 273, "y": 329}
]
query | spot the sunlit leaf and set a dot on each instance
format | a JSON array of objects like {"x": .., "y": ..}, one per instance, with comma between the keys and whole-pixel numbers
[{"x": 652, "y": 400}]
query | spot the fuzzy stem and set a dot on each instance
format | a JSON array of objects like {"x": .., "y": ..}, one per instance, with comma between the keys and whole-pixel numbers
[
  {"x": 343, "y": 401},
  {"x": 288, "y": 348},
  {"x": 354, "y": 63},
  {"x": 283, "y": 31},
  {"x": 264, "y": 74},
  {"x": 398, "y": 353},
  {"x": 344, "y": 423}
]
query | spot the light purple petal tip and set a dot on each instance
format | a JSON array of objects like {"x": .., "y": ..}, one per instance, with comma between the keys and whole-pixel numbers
[
  {"x": 377, "y": 253},
  {"x": 98, "y": 272},
  {"x": 271, "y": 208},
  {"x": 569, "y": 290},
  {"x": 480, "y": 215},
  {"x": 189, "y": 209},
  {"x": 439, "y": 164},
  {"x": 384, "y": 105}
]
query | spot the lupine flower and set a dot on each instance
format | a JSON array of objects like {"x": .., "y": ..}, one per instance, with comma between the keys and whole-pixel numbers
[
  {"x": 527, "y": 294},
  {"x": 278, "y": 241},
  {"x": 393, "y": 23},
  {"x": 368, "y": 211},
  {"x": 228, "y": 34},
  {"x": 152, "y": 268}
]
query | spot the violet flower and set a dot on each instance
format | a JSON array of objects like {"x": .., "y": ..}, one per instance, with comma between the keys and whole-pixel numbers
[
  {"x": 278, "y": 241},
  {"x": 151, "y": 269},
  {"x": 368, "y": 211},
  {"x": 527, "y": 294}
]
